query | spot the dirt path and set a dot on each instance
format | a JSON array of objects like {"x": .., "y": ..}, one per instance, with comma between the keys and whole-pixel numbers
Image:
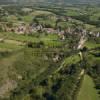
[
  {"x": 81, "y": 42},
  {"x": 81, "y": 74}
]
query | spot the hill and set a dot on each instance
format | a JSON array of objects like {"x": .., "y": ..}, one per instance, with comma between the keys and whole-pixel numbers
[{"x": 51, "y": 1}]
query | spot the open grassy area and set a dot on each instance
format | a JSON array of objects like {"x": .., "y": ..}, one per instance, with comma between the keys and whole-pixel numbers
[
  {"x": 95, "y": 16},
  {"x": 13, "y": 36},
  {"x": 91, "y": 45},
  {"x": 23, "y": 38},
  {"x": 72, "y": 59},
  {"x": 40, "y": 12},
  {"x": 68, "y": 61},
  {"x": 8, "y": 46},
  {"x": 88, "y": 91},
  {"x": 27, "y": 18},
  {"x": 6, "y": 67},
  {"x": 51, "y": 40}
]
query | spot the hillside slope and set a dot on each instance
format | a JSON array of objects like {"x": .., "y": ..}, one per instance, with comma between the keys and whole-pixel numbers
[{"x": 52, "y": 1}]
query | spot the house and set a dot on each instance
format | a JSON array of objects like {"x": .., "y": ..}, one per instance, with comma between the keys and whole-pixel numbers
[
  {"x": 26, "y": 10},
  {"x": 90, "y": 33},
  {"x": 68, "y": 19},
  {"x": 50, "y": 30},
  {"x": 20, "y": 29},
  {"x": 1, "y": 39},
  {"x": 56, "y": 58},
  {"x": 98, "y": 34},
  {"x": 84, "y": 32}
]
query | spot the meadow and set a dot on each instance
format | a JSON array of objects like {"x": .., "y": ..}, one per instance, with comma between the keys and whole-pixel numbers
[{"x": 87, "y": 90}]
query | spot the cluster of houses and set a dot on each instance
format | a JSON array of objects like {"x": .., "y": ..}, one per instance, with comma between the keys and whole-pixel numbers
[{"x": 22, "y": 28}]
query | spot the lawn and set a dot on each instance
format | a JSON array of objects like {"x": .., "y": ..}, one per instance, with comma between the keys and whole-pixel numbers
[{"x": 87, "y": 91}]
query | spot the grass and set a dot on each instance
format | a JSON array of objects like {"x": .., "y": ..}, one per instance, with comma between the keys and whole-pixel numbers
[
  {"x": 92, "y": 60},
  {"x": 95, "y": 17},
  {"x": 89, "y": 27},
  {"x": 12, "y": 18},
  {"x": 65, "y": 25},
  {"x": 72, "y": 13},
  {"x": 27, "y": 18},
  {"x": 6, "y": 67},
  {"x": 91, "y": 45},
  {"x": 72, "y": 60},
  {"x": 40, "y": 12},
  {"x": 49, "y": 40},
  {"x": 68, "y": 61},
  {"x": 48, "y": 22},
  {"x": 13, "y": 42},
  {"x": 87, "y": 91},
  {"x": 53, "y": 43},
  {"x": 21, "y": 38},
  {"x": 8, "y": 46}
]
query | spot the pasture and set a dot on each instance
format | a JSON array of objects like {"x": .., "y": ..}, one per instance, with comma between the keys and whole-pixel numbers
[{"x": 87, "y": 90}]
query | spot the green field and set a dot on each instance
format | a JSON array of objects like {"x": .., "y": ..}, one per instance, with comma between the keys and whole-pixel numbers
[
  {"x": 91, "y": 45},
  {"x": 9, "y": 47},
  {"x": 51, "y": 40},
  {"x": 87, "y": 91},
  {"x": 68, "y": 61}
]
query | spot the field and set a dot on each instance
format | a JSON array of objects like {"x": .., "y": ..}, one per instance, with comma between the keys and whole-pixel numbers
[
  {"x": 91, "y": 45},
  {"x": 87, "y": 90},
  {"x": 9, "y": 46}
]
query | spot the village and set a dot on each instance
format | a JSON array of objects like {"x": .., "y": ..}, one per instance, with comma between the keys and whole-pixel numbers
[
  {"x": 49, "y": 51},
  {"x": 28, "y": 29}
]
